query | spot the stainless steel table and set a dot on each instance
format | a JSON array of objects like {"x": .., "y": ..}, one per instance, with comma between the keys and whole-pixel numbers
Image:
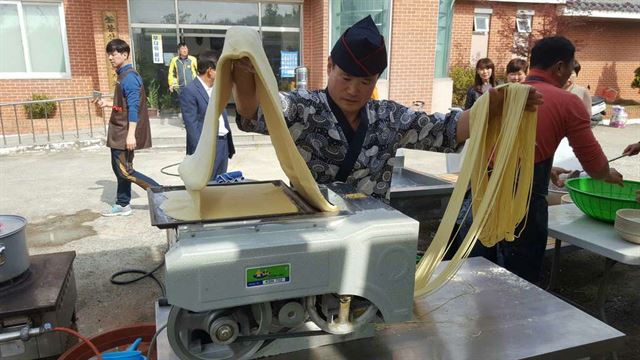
[
  {"x": 568, "y": 223},
  {"x": 484, "y": 312}
]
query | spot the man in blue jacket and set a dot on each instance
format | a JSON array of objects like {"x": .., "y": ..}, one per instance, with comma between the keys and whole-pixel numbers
[
  {"x": 129, "y": 128},
  {"x": 193, "y": 103}
]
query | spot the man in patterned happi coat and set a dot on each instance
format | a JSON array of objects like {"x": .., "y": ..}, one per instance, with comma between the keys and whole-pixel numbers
[{"x": 341, "y": 133}]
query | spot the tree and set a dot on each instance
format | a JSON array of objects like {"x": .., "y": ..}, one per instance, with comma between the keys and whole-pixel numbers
[
  {"x": 636, "y": 80},
  {"x": 546, "y": 21}
]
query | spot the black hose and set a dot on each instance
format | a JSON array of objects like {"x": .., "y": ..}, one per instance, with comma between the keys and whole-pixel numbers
[
  {"x": 153, "y": 340},
  {"x": 143, "y": 274},
  {"x": 168, "y": 173}
]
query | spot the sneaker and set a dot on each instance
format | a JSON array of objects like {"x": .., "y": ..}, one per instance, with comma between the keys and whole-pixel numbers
[{"x": 117, "y": 210}]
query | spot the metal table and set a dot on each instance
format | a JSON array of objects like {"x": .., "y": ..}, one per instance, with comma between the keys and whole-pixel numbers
[
  {"x": 421, "y": 196},
  {"x": 484, "y": 312},
  {"x": 568, "y": 223}
]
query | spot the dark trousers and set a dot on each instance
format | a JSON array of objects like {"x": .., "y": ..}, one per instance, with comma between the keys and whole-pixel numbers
[
  {"x": 122, "y": 165},
  {"x": 525, "y": 255},
  {"x": 222, "y": 157}
]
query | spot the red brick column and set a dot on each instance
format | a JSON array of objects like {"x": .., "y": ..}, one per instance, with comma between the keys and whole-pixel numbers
[
  {"x": 413, "y": 44},
  {"x": 316, "y": 41}
]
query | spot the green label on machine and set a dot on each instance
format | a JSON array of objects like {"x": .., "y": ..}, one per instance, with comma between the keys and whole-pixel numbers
[{"x": 268, "y": 275}]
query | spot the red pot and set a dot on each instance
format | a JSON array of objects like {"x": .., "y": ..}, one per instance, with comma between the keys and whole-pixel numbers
[{"x": 121, "y": 337}]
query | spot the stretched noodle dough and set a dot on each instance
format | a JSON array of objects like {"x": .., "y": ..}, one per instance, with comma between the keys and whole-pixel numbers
[
  {"x": 499, "y": 202},
  {"x": 195, "y": 169}
]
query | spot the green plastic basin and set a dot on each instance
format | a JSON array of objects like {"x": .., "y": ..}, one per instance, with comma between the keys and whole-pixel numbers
[{"x": 601, "y": 200}]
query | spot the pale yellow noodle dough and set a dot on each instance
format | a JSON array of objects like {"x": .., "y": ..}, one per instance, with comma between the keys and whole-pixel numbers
[
  {"x": 195, "y": 170},
  {"x": 500, "y": 201},
  {"x": 232, "y": 202}
]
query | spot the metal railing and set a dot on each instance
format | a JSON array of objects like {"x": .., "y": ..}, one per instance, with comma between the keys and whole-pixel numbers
[{"x": 16, "y": 135}]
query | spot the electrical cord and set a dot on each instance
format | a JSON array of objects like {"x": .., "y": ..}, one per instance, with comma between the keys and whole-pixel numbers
[
  {"x": 153, "y": 340},
  {"x": 143, "y": 273},
  {"x": 163, "y": 170}
]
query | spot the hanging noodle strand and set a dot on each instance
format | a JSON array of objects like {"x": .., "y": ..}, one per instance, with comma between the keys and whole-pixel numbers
[{"x": 499, "y": 201}]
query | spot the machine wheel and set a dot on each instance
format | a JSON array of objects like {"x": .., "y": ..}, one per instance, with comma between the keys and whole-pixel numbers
[
  {"x": 211, "y": 335},
  {"x": 320, "y": 310}
]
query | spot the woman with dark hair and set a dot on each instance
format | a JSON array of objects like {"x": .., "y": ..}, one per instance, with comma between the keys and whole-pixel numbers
[
  {"x": 517, "y": 70},
  {"x": 485, "y": 80}
]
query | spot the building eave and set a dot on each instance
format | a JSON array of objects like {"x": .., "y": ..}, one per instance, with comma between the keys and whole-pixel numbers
[
  {"x": 557, "y": 2},
  {"x": 602, "y": 14}
]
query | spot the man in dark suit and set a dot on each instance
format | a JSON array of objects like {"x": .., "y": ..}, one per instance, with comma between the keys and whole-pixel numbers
[{"x": 194, "y": 99}]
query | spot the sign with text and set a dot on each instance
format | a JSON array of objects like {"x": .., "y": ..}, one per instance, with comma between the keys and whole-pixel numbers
[
  {"x": 156, "y": 47},
  {"x": 288, "y": 63},
  {"x": 110, "y": 32}
]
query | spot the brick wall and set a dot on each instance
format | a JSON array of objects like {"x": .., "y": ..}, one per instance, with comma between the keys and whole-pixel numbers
[
  {"x": 503, "y": 26},
  {"x": 316, "y": 41},
  {"x": 610, "y": 58},
  {"x": 97, "y": 8},
  {"x": 606, "y": 48},
  {"x": 461, "y": 34},
  {"x": 88, "y": 69},
  {"x": 413, "y": 43},
  {"x": 501, "y": 30}
]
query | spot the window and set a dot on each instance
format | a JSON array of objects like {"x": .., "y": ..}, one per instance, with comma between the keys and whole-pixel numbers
[
  {"x": 37, "y": 34},
  {"x": 481, "y": 23},
  {"x": 523, "y": 23},
  {"x": 283, "y": 51},
  {"x": 345, "y": 13},
  {"x": 217, "y": 13},
  {"x": 281, "y": 15},
  {"x": 153, "y": 11}
]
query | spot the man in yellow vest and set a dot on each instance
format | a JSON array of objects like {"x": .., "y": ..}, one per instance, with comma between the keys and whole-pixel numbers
[{"x": 182, "y": 69}]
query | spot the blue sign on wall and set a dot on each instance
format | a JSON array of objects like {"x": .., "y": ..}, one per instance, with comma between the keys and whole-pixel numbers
[{"x": 288, "y": 63}]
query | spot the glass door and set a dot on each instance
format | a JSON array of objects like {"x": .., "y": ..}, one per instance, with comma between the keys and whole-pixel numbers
[{"x": 198, "y": 40}]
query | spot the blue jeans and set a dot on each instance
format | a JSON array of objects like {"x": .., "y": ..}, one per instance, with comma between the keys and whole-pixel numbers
[{"x": 122, "y": 165}]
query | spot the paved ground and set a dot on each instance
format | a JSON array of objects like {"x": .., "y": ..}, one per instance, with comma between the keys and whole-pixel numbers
[{"x": 62, "y": 195}]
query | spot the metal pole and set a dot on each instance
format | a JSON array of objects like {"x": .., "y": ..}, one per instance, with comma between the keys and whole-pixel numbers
[
  {"x": 33, "y": 129},
  {"x": 25, "y": 333},
  {"x": 61, "y": 122},
  {"x": 75, "y": 115},
  {"x": 15, "y": 113},
  {"x": 555, "y": 266},
  {"x": 4, "y": 139},
  {"x": 602, "y": 289},
  {"x": 46, "y": 122},
  {"x": 343, "y": 311},
  {"x": 175, "y": 4},
  {"x": 90, "y": 122},
  {"x": 104, "y": 122}
]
